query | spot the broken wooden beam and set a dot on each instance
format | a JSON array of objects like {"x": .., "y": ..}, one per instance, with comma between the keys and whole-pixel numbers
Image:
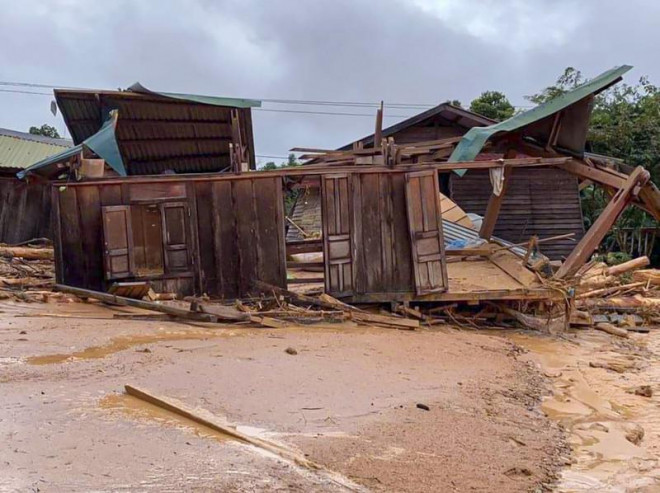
[
  {"x": 27, "y": 253},
  {"x": 147, "y": 305},
  {"x": 494, "y": 205},
  {"x": 602, "y": 225},
  {"x": 636, "y": 263},
  {"x": 290, "y": 296}
]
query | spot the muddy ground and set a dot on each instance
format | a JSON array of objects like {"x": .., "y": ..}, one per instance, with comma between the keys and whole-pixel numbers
[{"x": 348, "y": 400}]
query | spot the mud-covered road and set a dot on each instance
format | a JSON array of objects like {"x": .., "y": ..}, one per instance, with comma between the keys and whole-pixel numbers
[{"x": 348, "y": 400}]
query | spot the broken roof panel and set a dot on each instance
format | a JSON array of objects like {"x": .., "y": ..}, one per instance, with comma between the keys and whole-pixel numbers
[
  {"x": 538, "y": 122},
  {"x": 103, "y": 143}
]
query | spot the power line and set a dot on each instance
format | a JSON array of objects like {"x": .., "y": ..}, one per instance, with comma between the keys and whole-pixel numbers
[
  {"x": 329, "y": 113},
  {"x": 26, "y": 92},
  {"x": 362, "y": 104}
]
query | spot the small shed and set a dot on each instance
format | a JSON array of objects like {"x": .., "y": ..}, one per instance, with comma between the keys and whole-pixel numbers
[{"x": 24, "y": 206}]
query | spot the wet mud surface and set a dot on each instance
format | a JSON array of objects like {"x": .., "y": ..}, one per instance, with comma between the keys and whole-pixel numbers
[
  {"x": 348, "y": 400},
  {"x": 606, "y": 395}
]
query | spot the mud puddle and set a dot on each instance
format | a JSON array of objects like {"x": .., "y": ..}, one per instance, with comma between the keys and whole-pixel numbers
[
  {"x": 131, "y": 407},
  {"x": 614, "y": 434},
  {"x": 122, "y": 343}
]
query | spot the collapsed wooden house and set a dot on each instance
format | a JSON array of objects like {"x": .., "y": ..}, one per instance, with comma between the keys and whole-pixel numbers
[
  {"x": 540, "y": 201},
  {"x": 384, "y": 236},
  {"x": 24, "y": 206}
]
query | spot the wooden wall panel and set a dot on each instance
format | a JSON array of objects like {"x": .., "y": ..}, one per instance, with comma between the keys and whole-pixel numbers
[
  {"x": 270, "y": 247},
  {"x": 225, "y": 246},
  {"x": 543, "y": 202},
  {"x": 24, "y": 210},
  {"x": 205, "y": 217},
  {"x": 91, "y": 229},
  {"x": 73, "y": 254},
  {"x": 380, "y": 243}
]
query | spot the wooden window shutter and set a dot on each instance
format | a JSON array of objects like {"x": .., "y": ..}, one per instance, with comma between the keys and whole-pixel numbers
[
  {"x": 175, "y": 236},
  {"x": 425, "y": 226},
  {"x": 118, "y": 240},
  {"x": 337, "y": 243}
]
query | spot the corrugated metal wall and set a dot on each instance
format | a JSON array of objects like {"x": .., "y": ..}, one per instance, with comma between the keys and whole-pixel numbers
[
  {"x": 24, "y": 210},
  {"x": 543, "y": 202}
]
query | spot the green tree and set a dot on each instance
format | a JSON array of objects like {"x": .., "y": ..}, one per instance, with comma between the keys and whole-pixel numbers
[
  {"x": 493, "y": 104},
  {"x": 455, "y": 102},
  {"x": 45, "y": 130}
]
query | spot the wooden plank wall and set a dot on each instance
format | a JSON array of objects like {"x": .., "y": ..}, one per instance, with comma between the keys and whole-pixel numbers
[
  {"x": 241, "y": 234},
  {"x": 539, "y": 201},
  {"x": 238, "y": 232},
  {"x": 24, "y": 210},
  {"x": 382, "y": 260}
]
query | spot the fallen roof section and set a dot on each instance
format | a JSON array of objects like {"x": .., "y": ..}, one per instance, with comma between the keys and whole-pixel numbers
[
  {"x": 103, "y": 143},
  {"x": 538, "y": 121}
]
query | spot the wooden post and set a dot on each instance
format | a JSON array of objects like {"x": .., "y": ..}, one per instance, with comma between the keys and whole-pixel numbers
[
  {"x": 378, "y": 133},
  {"x": 602, "y": 225},
  {"x": 494, "y": 206}
]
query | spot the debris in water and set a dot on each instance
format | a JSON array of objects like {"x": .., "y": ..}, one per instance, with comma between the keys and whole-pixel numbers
[
  {"x": 423, "y": 406},
  {"x": 291, "y": 351}
]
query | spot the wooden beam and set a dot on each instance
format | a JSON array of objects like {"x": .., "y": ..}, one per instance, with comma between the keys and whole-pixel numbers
[
  {"x": 378, "y": 133},
  {"x": 494, "y": 206},
  {"x": 147, "y": 305},
  {"x": 602, "y": 225},
  {"x": 315, "y": 169}
]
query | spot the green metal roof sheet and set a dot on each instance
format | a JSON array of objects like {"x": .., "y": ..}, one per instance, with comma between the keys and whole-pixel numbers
[
  {"x": 20, "y": 150},
  {"x": 475, "y": 139},
  {"x": 196, "y": 98},
  {"x": 103, "y": 143}
]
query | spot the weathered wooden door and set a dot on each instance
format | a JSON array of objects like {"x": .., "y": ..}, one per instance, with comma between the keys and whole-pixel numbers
[
  {"x": 175, "y": 236},
  {"x": 425, "y": 226},
  {"x": 336, "y": 211},
  {"x": 118, "y": 241}
]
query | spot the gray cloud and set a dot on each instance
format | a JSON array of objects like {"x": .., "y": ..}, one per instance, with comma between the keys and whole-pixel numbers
[{"x": 416, "y": 51}]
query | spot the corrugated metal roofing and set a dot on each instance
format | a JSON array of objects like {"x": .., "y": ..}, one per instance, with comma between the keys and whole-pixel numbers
[
  {"x": 18, "y": 150},
  {"x": 161, "y": 131},
  {"x": 538, "y": 121}
]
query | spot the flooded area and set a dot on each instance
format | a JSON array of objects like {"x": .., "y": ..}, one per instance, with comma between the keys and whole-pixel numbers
[
  {"x": 347, "y": 398},
  {"x": 604, "y": 395}
]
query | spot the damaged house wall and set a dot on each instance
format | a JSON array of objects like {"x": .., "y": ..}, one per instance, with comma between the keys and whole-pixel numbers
[
  {"x": 192, "y": 235},
  {"x": 24, "y": 206}
]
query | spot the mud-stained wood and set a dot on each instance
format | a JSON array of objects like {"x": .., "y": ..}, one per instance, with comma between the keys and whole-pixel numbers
[
  {"x": 156, "y": 191},
  {"x": 73, "y": 253},
  {"x": 425, "y": 225},
  {"x": 246, "y": 222},
  {"x": 337, "y": 235},
  {"x": 205, "y": 237},
  {"x": 118, "y": 242},
  {"x": 91, "y": 229},
  {"x": 225, "y": 239}
]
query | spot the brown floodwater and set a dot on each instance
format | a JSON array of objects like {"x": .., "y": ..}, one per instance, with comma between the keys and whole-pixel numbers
[
  {"x": 599, "y": 411},
  {"x": 120, "y": 344},
  {"x": 127, "y": 406}
]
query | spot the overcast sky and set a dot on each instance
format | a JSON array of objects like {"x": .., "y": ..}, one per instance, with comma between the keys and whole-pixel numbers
[{"x": 401, "y": 51}]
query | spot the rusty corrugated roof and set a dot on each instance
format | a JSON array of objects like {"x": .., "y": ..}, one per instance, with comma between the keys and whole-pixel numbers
[
  {"x": 18, "y": 150},
  {"x": 161, "y": 131}
]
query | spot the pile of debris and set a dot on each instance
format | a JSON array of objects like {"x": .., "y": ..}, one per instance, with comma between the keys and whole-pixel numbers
[
  {"x": 618, "y": 299},
  {"x": 27, "y": 271}
]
